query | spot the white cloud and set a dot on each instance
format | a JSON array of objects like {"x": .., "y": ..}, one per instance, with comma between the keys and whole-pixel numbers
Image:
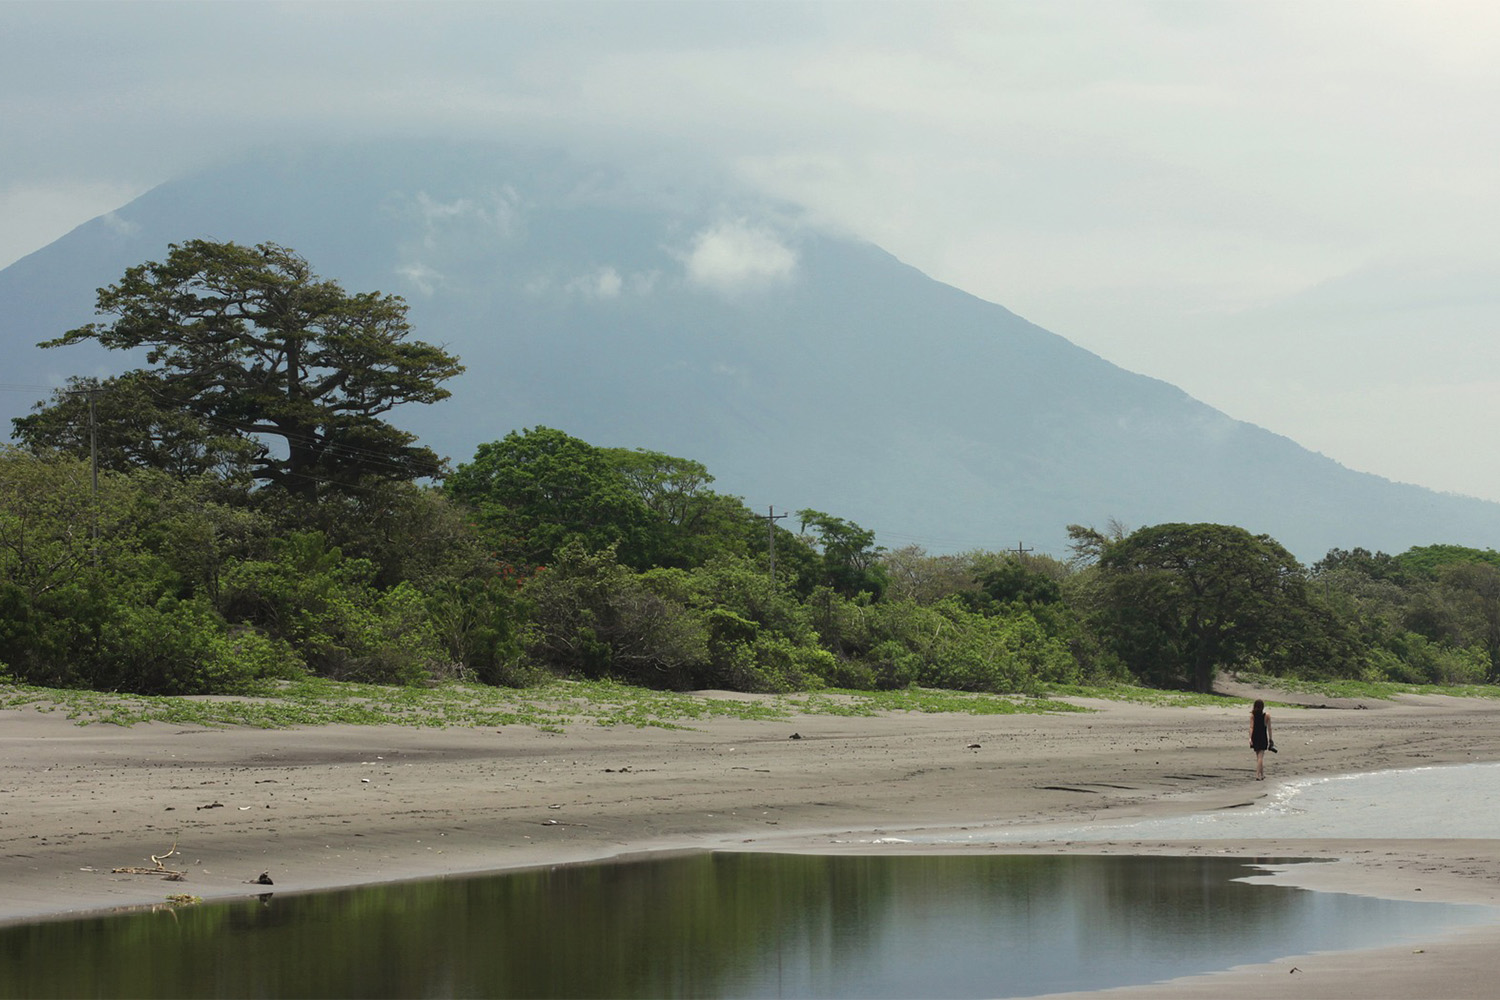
[
  {"x": 498, "y": 213},
  {"x": 427, "y": 280},
  {"x": 443, "y": 234},
  {"x": 735, "y": 256},
  {"x": 537, "y": 285},
  {"x": 601, "y": 284},
  {"x": 118, "y": 225},
  {"x": 608, "y": 284},
  {"x": 604, "y": 283},
  {"x": 643, "y": 282}
]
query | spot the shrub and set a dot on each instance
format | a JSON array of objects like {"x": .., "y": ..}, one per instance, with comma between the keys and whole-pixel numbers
[
  {"x": 594, "y": 617},
  {"x": 182, "y": 647}
]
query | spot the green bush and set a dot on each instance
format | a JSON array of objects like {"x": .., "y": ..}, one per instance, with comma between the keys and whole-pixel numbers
[
  {"x": 592, "y": 617},
  {"x": 385, "y": 640},
  {"x": 324, "y": 605},
  {"x": 182, "y": 647},
  {"x": 1411, "y": 658},
  {"x": 473, "y": 620}
]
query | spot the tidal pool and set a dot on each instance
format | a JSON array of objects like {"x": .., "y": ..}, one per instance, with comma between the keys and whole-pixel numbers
[{"x": 722, "y": 925}]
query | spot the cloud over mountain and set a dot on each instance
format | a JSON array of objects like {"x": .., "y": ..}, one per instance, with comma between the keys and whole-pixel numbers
[{"x": 737, "y": 256}]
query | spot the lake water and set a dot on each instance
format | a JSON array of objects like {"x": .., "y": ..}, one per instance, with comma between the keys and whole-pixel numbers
[{"x": 722, "y": 925}]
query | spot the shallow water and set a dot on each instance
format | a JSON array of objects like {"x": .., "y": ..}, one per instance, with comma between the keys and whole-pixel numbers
[
  {"x": 723, "y": 925},
  {"x": 1443, "y": 802}
]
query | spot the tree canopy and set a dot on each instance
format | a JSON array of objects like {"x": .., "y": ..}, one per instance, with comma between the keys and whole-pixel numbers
[
  {"x": 541, "y": 489},
  {"x": 851, "y": 559},
  {"x": 1187, "y": 599},
  {"x": 126, "y": 423},
  {"x": 250, "y": 342}
]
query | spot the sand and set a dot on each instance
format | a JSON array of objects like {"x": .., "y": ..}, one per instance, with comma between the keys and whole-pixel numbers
[{"x": 343, "y": 805}]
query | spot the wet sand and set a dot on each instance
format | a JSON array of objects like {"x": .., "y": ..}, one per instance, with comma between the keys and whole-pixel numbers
[{"x": 343, "y": 805}]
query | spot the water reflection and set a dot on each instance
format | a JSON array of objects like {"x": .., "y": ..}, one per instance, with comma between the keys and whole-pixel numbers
[{"x": 743, "y": 925}]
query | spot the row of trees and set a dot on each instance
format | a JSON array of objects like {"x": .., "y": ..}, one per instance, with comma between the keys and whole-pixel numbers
[{"x": 238, "y": 510}]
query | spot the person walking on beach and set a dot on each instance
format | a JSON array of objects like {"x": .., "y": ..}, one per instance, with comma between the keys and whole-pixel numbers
[{"x": 1260, "y": 737}]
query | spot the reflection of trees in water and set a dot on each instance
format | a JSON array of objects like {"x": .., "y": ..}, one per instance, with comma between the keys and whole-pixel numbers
[{"x": 698, "y": 925}]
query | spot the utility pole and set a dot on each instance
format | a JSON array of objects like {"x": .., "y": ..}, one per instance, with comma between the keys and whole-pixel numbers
[
  {"x": 94, "y": 471},
  {"x": 1021, "y": 551},
  {"x": 93, "y": 433},
  {"x": 94, "y": 449},
  {"x": 93, "y": 461},
  {"x": 771, "y": 517}
]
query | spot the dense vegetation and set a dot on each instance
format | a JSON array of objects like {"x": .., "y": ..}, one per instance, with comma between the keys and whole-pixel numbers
[{"x": 239, "y": 512}]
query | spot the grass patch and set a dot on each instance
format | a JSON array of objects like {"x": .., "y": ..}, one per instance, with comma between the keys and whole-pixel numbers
[
  {"x": 318, "y": 702},
  {"x": 554, "y": 706},
  {"x": 1140, "y": 695},
  {"x": 1370, "y": 690},
  {"x": 1375, "y": 690},
  {"x": 868, "y": 703},
  {"x": 549, "y": 707}
]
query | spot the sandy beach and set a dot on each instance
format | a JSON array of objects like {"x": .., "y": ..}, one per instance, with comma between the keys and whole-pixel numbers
[{"x": 342, "y": 805}]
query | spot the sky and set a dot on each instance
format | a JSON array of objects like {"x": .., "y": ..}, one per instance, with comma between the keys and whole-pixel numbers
[{"x": 1289, "y": 210}]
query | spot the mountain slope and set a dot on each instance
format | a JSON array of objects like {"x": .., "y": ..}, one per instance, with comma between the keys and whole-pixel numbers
[{"x": 804, "y": 368}]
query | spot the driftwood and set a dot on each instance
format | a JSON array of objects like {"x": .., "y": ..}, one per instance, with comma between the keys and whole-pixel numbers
[{"x": 159, "y": 869}]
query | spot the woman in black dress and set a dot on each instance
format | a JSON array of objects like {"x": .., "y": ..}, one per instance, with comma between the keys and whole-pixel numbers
[{"x": 1260, "y": 737}]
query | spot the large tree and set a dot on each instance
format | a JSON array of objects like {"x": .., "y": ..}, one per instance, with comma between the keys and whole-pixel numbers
[
  {"x": 250, "y": 342},
  {"x": 1184, "y": 600}
]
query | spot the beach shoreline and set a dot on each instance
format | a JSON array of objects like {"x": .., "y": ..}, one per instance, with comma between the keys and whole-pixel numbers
[{"x": 327, "y": 807}]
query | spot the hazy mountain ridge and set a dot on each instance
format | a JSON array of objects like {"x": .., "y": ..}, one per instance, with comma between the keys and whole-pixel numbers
[{"x": 803, "y": 368}]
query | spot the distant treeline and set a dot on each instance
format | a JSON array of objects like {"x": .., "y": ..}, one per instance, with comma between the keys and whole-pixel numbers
[{"x": 239, "y": 511}]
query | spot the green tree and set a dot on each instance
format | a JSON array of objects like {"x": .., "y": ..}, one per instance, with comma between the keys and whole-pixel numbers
[
  {"x": 124, "y": 424},
  {"x": 540, "y": 490},
  {"x": 1184, "y": 600},
  {"x": 947, "y": 645},
  {"x": 1370, "y": 565},
  {"x": 1430, "y": 560},
  {"x": 1088, "y": 543},
  {"x": 1474, "y": 588},
  {"x": 1411, "y": 624},
  {"x": 1018, "y": 582},
  {"x": 249, "y": 342},
  {"x": 54, "y": 537},
  {"x": 323, "y": 605},
  {"x": 689, "y": 524},
  {"x": 851, "y": 559}
]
